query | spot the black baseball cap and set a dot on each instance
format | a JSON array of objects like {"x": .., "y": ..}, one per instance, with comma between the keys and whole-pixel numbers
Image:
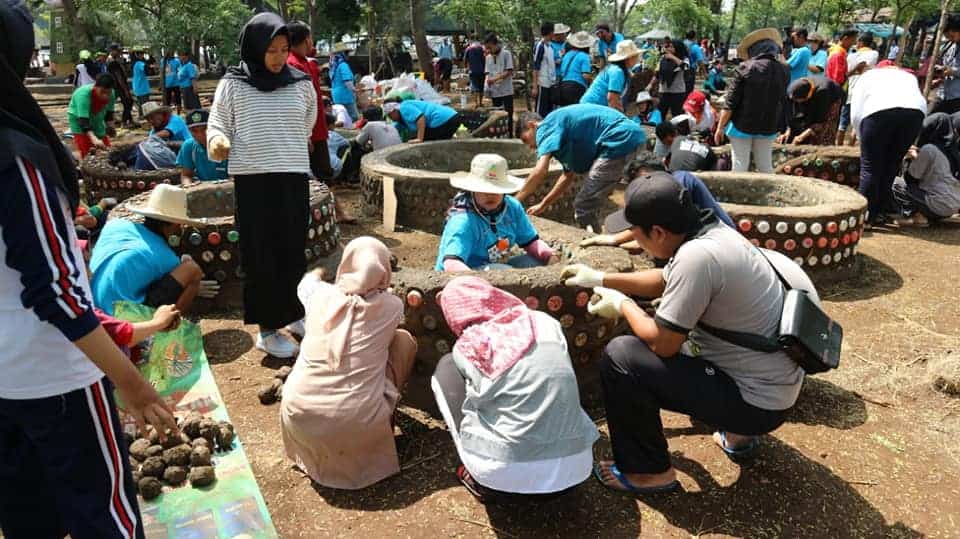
[
  {"x": 656, "y": 199},
  {"x": 197, "y": 118}
]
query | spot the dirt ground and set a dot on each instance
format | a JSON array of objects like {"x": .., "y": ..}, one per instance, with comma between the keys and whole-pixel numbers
[{"x": 870, "y": 450}]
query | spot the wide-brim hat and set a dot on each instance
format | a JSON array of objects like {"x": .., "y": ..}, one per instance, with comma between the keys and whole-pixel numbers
[
  {"x": 151, "y": 107},
  {"x": 753, "y": 37},
  {"x": 488, "y": 174},
  {"x": 581, "y": 39},
  {"x": 644, "y": 96},
  {"x": 167, "y": 203},
  {"x": 560, "y": 28},
  {"x": 340, "y": 47},
  {"x": 625, "y": 49}
]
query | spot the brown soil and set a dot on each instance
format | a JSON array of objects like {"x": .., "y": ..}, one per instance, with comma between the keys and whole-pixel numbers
[{"x": 869, "y": 451}]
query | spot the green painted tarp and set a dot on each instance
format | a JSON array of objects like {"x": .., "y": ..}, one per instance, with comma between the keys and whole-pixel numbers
[{"x": 232, "y": 507}]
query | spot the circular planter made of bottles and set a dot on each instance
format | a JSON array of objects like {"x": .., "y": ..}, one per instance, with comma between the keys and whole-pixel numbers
[
  {"x": 486, "y": 122},
  {"x": 818, "y": 224},
  {"x": 215, "y": 245},
  {"x": 781, "y": 154},
  {"x": 105, "y": 175},
  {"x": 837, "y": 164},
  {"x": 421, "y": 174}
]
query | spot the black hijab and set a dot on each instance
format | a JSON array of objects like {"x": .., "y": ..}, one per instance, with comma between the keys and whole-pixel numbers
[
  {"x": 668, "y": 67},
  {"x": 24, "y": 129},
  {"x": 938, "y": 130},
  {"x": 255, "y": 39}
]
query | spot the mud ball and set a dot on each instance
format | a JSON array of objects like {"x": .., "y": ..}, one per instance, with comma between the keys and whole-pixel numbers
[
  {"x": 208, "y": 431},
  {"x": 200, "y": 456},
  {"x": 174, "y": 475},
  {"x": 138, "y": 449},
  {"x": 283, "y": 372},
  {"x": 137, "y": 476},
  {"x": 201, "y": 476},
  {"x": 154, "y": 451},
  {"x": 149, "y": 487},
  {"x": 268, "y": 394},
  {"x": 171, "y": 440},
  {"x": 191, "y": 424},
  {"x": 153, "y": 436},
  {"x": 153, "y": 467},
  {"x": 134, "y": 463},
  {"x": 177, "y": 456}
]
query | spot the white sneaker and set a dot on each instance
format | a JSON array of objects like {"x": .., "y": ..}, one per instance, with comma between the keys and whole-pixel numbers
[
  {"x": 277, "y": 345},
  {"x": 297, "y": 328}
]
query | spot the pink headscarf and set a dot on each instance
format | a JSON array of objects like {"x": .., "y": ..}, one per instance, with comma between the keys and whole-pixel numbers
[
  {"x": 494, "y": 328},
  {"x": 358, "y": 308}
]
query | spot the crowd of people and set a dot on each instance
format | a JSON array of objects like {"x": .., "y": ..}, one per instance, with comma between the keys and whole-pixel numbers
[{"x": 507, "y": 390}]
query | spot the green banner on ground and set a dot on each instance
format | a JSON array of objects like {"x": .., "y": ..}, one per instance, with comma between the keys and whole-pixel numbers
[{"x": 233, "y": 506}]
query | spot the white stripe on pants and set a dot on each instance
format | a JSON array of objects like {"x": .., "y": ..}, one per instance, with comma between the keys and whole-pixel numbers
[{"x": 762, "y": 149}]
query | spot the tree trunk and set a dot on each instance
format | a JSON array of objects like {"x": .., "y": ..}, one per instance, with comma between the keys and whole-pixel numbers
[
  {"x": 372, "y": 37},
  {"x": 282, "y": 8},
  {"x": 424, "y": 54},
  {"x": 82, "y": 37},
  {"x": 944, "y": 7},
  {"x": 816, "y": 27},
  {"x": 733, "y": 22}
]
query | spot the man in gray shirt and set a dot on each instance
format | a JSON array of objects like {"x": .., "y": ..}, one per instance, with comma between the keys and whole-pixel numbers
[
  {"x": 499, "y": 72},
  {"x": 714, "y": 277}
]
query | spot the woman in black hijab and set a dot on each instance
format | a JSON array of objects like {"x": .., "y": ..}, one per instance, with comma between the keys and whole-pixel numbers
[
  {"x": 64, "y": 469},
  {"x": 262, "y": 117},
  {"x": 673, "y": 87},
  {"x": 816, "y": 111}
]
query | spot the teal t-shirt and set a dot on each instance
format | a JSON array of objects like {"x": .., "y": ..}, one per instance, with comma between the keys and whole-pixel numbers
[
  {"x": 178, "y": 129},
  {"x": 170, "y": 79},
  {"x": 126, "y": 260},
  {"x": 141, "y": 85},
  {"x": 436, "y": 115},
  {"x": 469, "y": 236},
  {"x": 578, "y": 135},
  {"x": 341, "y": 94},
  {"x": 799, "y": 62},
  {"x": 573, "y": 66},
  {"x": 194, "y": 156},
  {"x": 605, "y": 49},
  {"x": 611, "y": 79},
  {"x": 819, "y": 59},
  {"x": 185, "y": 74}
]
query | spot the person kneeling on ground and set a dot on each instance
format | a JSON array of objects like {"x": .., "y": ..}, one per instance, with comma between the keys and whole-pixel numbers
[
  {"x": 133, "y": 262},
  {"x": 164, "y": 123},
  {"x": 647, "y": 111},
  {"x": 90, "y": 114},
  {"x": 427, "y": 120},
  {"x": 193, "y": 160},
  {"x": 336, "y": 417},
  {"x": 684, "y": 153},
  {"x": 513, "y": 409},
  {"x": 586, "y": 139},
  {"x": 670, "y": 362},
  {"x": 618, "y": 233},
  {"x": 929, "y": 191},
  {"x": 485, "y": 222},
  {"x": 375, "y": 134}
]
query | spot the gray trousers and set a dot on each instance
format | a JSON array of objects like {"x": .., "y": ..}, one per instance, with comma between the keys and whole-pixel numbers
[
  {"x": 762, "y": 149},
  {"x": 602, "y": 177}
]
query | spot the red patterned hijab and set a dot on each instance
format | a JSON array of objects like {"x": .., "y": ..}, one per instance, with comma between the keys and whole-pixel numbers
[{"x": 494, "y": 328}]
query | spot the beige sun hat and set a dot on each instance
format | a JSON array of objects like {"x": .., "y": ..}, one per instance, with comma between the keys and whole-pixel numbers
[
  {"x": 757, "y": 35},
  {"x": 625, "y": 49},
  {"x": 152, "y": 106},
  {"x": 644, "y": 96},
  {"x": 560, "y": 28},
  {"x": 488, "y": 174},
  {"x": 167, "y": 203},
  {"x": 581, "y": 39},
  {"x": 340, "y": 47}
]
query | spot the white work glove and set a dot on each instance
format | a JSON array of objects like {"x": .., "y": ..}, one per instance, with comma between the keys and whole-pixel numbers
[
  {"x": 581, "y": 275},
  {"x": 610, "y": 304},
  {"x": 219, "y": 148},
  {"x": 209, "y": 289}
]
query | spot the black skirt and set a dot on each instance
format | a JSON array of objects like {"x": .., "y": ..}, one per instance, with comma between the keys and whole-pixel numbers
[{"x": 272, "y": 211}]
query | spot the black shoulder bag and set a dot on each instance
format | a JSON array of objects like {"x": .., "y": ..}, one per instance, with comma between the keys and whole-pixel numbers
[{"x": 807, "y": 334}]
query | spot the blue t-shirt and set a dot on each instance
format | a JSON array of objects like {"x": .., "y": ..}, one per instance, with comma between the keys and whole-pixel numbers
[
  {"x": 177, "y": 128},
  {"x": 702, "y": 196},
  {"x": 194, "y": 156},
  {"x": 342, "y": 95},
  {"x": 578, "y": 135},
  {"x": 819, "y": 59},
  {"x": 126, "y": 260},
  {"x": 186, "y": 74},
  {"x": 170, "y": 79},
  {"x": 611, "y": 79},
  {"x": 799, "y": 62},
  {"x": 141, "y": 85},
  {"x": 468, "y": 236},
  {"x": 605, "y": 49},
  {"x": 445, "y": 50},
  {"x": 557, "y": 52},
  {"x": 651, "y": 118},
  {"x": 412, "y": 110},
  {"x": 696, "y": 55},
  {"x": 476, "y": 59},
  {"x": 573, "y": 66}
]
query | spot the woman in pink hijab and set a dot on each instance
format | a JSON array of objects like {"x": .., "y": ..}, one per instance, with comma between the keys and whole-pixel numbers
[
  {"x": 338, "y": 403},
  {"x": 509, "y": 396}
]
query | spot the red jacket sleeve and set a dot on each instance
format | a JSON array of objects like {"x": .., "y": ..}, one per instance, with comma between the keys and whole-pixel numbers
[
  {"x": 837, "y": 68},
  {"x": 120, "y": 331}
]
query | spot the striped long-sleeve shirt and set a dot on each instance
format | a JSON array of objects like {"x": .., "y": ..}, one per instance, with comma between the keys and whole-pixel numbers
[
  {"x": 44, "y": 293},
  {"x": 268, "y": 131}
]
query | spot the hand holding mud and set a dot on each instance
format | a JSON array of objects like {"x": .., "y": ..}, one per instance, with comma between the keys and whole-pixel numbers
[
  {"x": 219, "y": 148},
  {"x": 608, "y": 303},
  {"x": 581, "y": 275}
]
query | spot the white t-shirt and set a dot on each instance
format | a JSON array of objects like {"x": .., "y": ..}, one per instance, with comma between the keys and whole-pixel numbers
[
  {"x": 882, "y": 89},
  {"x": 379, "y": 134},
  {"x": 869, "y": 57}
]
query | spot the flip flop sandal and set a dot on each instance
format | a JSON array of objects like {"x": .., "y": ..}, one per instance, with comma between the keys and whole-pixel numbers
[
  {"x": 738, "y": 453},
  {"x": 471, "y": 485},
  {"x": 672, "y": 486}
]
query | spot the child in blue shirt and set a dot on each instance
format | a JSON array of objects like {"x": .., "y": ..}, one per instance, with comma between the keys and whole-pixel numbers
[
  {"x": 485, "y": 222},
  {"x": 647, "y": 111},
  {"x": 427, "y": 121},
  {"x": 193, "y": 159}
]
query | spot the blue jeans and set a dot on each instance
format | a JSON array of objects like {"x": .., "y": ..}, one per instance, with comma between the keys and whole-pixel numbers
[{"x": 517, "y": 262}]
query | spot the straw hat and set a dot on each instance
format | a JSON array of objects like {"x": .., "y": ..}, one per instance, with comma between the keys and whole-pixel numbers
[
  {"x": 152, "y": 106},
  {"x": 581, "y": 40},
  {"x": 167, "y": 203},
  {"x": 644, "y": 96},
  {"x": 560, "y": 28},
  {"x": 757, "y": 35},
  {"x": 625, "y": 49},
  {"x": 339, "y": 47},
  {"x": 817, "y": 37},
  {"x": 488, "y": 174}
]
